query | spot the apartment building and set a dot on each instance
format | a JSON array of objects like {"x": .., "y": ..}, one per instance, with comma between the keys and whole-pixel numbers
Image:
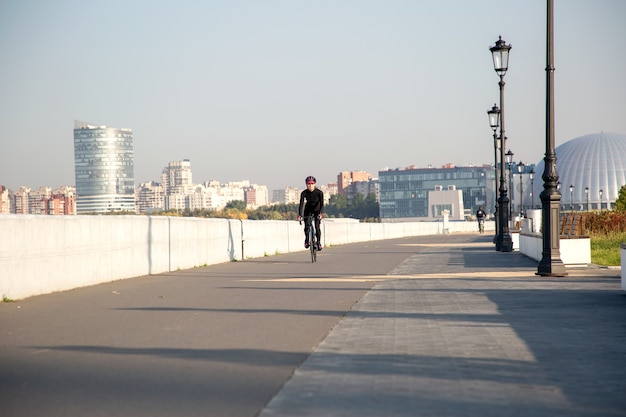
[
  {"x": 178, "y": 192},
  {"x": 5, "y": 200},
  {"x": 41, "y": 201},
  {"x": 176, "y": 178},
  {"x": 256, "y": 196},
  {"x": 61, "y": 202},
  {"x": 287, "y": 195},
  {"x": 346, "y": 178},
  {"x": 21, "y": 201},
  {"x": 149, "y": 197}
]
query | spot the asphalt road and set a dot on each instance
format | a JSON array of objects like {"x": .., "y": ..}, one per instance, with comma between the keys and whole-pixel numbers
[{"x": 214, "y": 341}]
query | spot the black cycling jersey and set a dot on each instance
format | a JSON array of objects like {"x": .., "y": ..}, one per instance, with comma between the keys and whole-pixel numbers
[{"x": 314, "y": 202}]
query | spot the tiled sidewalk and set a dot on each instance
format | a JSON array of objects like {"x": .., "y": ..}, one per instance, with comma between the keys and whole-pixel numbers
[{"x": 468, "y": 331}]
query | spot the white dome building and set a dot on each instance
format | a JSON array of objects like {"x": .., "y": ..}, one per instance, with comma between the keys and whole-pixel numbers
[{"x": 594, "y": 162}]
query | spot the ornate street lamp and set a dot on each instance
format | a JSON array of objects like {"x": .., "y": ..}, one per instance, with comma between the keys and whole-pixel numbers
[
  {"x": 601, "y": 200},
  {"x": 571, "y": 198},
  {"x": 494, "y": 122},
  {"x": 509, "y": 165},
  {"x": 550, "y": 263},
  {"x": 531, "y": 174},
  {"x": 520, "y": 170},
  {"x": 500, "y": 55},
  {"x": 587, "y": 194}
]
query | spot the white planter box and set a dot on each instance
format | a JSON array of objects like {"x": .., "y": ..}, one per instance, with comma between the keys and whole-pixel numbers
[
  {"x": 574, "y": 251},
  {"x": 622, "y": 254}
]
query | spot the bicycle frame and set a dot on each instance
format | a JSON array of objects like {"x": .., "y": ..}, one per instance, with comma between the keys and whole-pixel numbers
[{"x": 310, "y": 222}]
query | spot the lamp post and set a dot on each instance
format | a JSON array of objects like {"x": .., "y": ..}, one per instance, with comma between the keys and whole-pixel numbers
[
  {"x": 531, "y": 174},
  {"x": 509, "y": 165},
  {"x": 600, "y": 200},
  {"x": 500, "y": 55},
  {"x": 571, "y": 198},
  {"x": 587, "y": 195},
  {"x": 550, "y": 263},
  {"x": 520, "y": 170},
  {"x": 494, "y": 122}
]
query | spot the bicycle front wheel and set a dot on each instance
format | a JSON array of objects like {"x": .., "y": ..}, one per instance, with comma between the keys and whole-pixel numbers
[{"x": 313, "y": 246}]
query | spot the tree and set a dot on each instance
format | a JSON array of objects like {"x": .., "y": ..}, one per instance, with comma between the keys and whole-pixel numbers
[
  {"x": 337, "y": 205},
  {"x": 620, "y": 203},
  {"x": 373, "y": 209},
  {"x": 360, "y": 207},
  {"x": 236, "y": 204},
  {"x": 265, "y": 215},
  {"x": 233, "y": 213}
]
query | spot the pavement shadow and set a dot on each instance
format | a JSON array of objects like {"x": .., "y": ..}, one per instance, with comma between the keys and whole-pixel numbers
[{"x": 259, "y": 357}]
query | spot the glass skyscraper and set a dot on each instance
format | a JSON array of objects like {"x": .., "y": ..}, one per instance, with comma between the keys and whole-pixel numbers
[{"x": 104, "y": 169}]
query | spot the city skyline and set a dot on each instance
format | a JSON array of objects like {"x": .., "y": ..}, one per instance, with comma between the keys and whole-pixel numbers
[
  {"x": 276, "y": 91},
  {"x": 157, "y": 178}
]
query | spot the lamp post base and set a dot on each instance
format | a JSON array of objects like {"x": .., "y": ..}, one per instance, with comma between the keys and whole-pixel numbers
[
  {"x": 551, "y": 268},
  {"x": 504, "y": 243},
  {"x": 551, "y": 264},
  {"x": 541, "y": 274}
]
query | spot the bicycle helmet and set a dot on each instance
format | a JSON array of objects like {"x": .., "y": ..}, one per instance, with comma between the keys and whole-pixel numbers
[{"x": 309, "y": 179}]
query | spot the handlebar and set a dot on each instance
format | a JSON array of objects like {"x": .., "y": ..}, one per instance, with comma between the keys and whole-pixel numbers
[{"x": 310, "y": 216}]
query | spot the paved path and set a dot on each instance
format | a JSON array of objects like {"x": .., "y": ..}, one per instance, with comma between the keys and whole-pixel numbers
[
  {"x": 215, "y": 341},
  {"x": 466, "y": 331},
  {"x": 435, "y": 326}
]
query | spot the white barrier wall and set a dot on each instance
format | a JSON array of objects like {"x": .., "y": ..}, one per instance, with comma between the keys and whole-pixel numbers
[{"x": 44, "y": 254}]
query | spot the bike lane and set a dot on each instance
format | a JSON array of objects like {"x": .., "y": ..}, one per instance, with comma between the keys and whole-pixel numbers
[{"x": 213, "y": 341}]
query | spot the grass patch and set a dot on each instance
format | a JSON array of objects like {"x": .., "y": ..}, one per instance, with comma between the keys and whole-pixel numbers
[
  {"x": 6, "y": 299},
  {"x": 605, "y": 248}
]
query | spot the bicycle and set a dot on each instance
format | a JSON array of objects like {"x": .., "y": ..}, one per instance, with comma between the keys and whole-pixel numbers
[{"x": 312, "y": 237}]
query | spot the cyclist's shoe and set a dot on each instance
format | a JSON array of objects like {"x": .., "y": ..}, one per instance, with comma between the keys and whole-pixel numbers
[
  {"x": 306, "y": 244},
  {"x": 319, "y": 246}
]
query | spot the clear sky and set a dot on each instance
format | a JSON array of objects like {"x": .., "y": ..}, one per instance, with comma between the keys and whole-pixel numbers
[{"x": 275, "y": 90}]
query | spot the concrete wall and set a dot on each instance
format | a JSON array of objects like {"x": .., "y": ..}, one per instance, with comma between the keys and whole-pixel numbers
[{"x": 44, "y": 254}]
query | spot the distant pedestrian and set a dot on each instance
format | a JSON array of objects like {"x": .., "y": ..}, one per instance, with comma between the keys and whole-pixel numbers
[{"x": 480, "y": 216}]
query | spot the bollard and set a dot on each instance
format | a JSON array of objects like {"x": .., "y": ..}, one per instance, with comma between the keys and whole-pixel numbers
[{"x": 446, "y": 216}]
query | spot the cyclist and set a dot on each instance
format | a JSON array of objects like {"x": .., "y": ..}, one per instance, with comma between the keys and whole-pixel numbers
[
  {"x": 480, "y": 215},
  {"x": 314, "y": 206}
]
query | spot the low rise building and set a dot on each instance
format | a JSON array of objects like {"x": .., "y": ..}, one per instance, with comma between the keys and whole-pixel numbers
[{"x": 405, "y": 193}]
